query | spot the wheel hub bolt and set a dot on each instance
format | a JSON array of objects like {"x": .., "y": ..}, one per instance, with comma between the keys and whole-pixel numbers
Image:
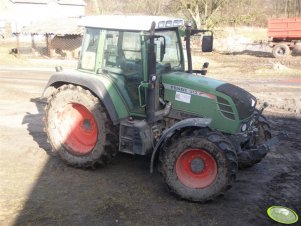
[
  {"x": 197, "y": 165},
  {"x": 87, "y": 125}
]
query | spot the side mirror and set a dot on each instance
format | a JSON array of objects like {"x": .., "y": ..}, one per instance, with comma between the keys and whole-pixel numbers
[{"x": 207, "y": 43}]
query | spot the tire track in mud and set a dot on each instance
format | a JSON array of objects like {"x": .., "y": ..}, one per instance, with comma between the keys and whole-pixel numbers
[{"x": 289, "y": 124}]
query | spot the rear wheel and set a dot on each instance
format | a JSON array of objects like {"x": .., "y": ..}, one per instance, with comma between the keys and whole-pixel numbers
[
  {"x": 78, "y": 127},
  {"x": 199, "y": 167},
  {"x": 281, "y": 50}
]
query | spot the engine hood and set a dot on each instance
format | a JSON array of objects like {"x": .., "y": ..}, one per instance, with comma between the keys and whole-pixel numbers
[
  {"x": 187, "y": 83},
  {"x": 244, "y": 101},
  {"x": 188, "y": 92}
]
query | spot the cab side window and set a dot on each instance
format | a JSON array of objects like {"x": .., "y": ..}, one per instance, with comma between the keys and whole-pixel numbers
[
  {"x": 123, "y": 52},
  {"x": 89, "y": 49}
]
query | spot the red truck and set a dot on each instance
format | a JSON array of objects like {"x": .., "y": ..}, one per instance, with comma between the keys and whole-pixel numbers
[{"x": 283, "y": 35}]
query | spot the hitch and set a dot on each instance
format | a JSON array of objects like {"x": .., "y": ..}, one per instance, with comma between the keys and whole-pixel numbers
[
  {"x": 255, "y": 154},
  {"x": 264, "y": 148}
]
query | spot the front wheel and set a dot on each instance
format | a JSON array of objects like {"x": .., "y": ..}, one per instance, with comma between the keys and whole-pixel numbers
[
  {"x": 79, "y": 128},
  {"x": 199, "y": 167},
  {"x": 250, "y": 155}
]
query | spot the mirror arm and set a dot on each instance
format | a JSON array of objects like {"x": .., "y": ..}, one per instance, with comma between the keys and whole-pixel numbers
[
  {"x": 188, "y": 49},
  {"x": 194, "y": 32}
]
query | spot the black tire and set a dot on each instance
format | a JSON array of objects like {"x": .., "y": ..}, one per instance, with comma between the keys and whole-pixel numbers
[
  {"x": 249, "y": 155},
  {"x": 79, "y": 128},
  {"x": 216, "y": 148},
  {"x": 281, "y": 50}
]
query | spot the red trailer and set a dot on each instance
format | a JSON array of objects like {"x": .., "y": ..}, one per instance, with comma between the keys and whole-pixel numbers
[{"x": 283, "y": 35}]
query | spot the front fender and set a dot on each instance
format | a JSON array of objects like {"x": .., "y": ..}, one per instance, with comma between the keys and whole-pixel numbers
[
  {"x": 101, "y": 86},
  {"x": 191, "y": 122}
]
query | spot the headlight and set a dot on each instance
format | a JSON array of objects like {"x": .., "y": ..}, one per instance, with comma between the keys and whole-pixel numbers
[
  {"x": 243, "y": 127},
  {"x": 253, "y": 102}
]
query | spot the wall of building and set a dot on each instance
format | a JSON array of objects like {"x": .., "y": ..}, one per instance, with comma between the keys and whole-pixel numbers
[{"x": 22, "y": 12}]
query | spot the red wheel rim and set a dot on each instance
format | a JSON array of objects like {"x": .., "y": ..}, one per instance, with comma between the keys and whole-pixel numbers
[
  {"x": 77, "y": 128},
  {"x": 196, "y": 168}
]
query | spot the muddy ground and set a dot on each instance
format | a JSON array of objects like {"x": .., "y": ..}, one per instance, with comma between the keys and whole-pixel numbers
[{"x": 38, "y": 189}]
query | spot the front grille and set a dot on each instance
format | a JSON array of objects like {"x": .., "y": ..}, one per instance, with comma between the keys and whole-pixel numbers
[
  {"x": 241, "y": 98},
  {"x": 225, "y": 108}
]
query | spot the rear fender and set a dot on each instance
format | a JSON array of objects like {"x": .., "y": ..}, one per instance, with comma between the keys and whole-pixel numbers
[
  {"x": 167, "y": 134},
  {"x": 101, "y": 86}
]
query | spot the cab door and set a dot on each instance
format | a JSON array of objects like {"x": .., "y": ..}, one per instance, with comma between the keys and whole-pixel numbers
[{"x": 122, "y": 61}]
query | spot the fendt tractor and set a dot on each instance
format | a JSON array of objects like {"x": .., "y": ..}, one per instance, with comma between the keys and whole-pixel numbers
[{"x": 131, "y": 93}]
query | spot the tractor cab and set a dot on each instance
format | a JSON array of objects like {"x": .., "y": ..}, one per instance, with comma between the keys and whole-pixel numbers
[{"x": 118, "y": 47}]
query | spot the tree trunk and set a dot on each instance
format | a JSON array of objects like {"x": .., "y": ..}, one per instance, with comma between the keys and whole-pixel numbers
[
  {"x": 95, "y": 6},
  {"x": 285, "y": 9},
  {"x": 276, "y": 8}
]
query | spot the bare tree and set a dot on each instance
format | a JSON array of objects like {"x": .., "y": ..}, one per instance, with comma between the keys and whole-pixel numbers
[
  {"x": 287, "y": 8},
  {"x": 201, "y": 12},
  {"x": 150, "y": 7},
  {"x": 245, "y": 12}
]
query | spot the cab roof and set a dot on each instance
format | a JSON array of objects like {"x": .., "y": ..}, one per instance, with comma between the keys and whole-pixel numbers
[{"x": 134, "y": 23}]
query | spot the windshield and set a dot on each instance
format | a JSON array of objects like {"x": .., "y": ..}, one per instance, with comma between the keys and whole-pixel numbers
[
  {"x": 172, "y": 54},
  {"x": 123, "y": 51}
]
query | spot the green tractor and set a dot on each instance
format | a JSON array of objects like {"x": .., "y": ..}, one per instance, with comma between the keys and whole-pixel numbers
[{"x": 131, "y": 93}]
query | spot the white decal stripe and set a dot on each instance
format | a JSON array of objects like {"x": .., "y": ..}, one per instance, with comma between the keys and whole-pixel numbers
[{"x": 189, "y": 91}]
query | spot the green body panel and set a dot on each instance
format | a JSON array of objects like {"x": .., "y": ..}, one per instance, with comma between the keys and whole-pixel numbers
[
  {"x": 196, "y": 95},
  {"x": 119, "y": 103}
]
